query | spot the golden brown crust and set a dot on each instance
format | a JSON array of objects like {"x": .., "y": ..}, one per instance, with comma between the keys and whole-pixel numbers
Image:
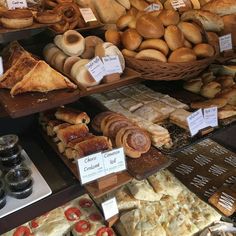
[
  {"x": 17, "y": 14},
  {"x": 48, "y": 17}
]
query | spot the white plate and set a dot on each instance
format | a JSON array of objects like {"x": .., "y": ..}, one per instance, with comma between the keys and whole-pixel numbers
[{"x": 40, "y": 190}]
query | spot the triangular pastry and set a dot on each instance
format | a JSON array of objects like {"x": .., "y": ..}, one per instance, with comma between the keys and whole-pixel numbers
[{"x": 42, "y": 78}]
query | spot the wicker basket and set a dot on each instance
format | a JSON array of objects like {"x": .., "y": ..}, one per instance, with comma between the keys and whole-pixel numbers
[{"x": 155, "y": 70}]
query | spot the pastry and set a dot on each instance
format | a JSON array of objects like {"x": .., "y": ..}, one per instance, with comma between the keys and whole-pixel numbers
[
  {"x": 229, "y": 95},
  {"x": 173, "y": 102},
  {"x": 124, "y": 21},
  {"x": 226, "y": 112},
  {"x": 72, "y": 116},
  {"x": 42, "y": 78},
  {"x": 215, "y": 102},
  {"x": 179, "y": 118},
  {"x": 210, "y": 90},
  {"x": 208, "y": 77},
  {"x": 193, "y": 85},
  {"x": 226, "y": 81},
  {"x": 130, "y": 104},
  {"x": 96, "y": 122}
]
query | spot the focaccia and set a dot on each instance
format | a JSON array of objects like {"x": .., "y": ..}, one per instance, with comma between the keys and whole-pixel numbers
[
  {"x": 179, "y": 118},
  {"x": 130, "y": 104}
]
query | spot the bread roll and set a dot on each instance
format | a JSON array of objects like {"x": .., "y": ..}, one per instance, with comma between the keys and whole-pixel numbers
[
  {"x": 169, "y": 17},
  {"x": 174, "y": 37},
  {"x": 215, "y": 102},
  {"x": 221, "y": 7},
  {"x": 113, "y": 36},
  {"x": 182, "y": 55},
  {"x": 81, "y": 75},
  {"x": 128, "y": 53},
  {"x": 59, "y": 60},
  {"x": 157, "y": 44},
  {"x": 125, "y": 3},
  {"x": 149, "y": 26},
  {"x": 229, "y": 95},
  {"x": 209, "y": 21},
  {"x": 71, "y": 43},
  {"x": 213, "y": 40},
  {"x": 132, "y": 11},
  {"x": 69, "y": 62},
  {"x": 151, "y": 54},
  {"x": 131, "y": 39},
  {"x": 124, "y": 21},
  {"x": 191, "y": 32},
  {"x": 226, "y": 81},
  {"x": 203, "y": 50},
  {"x": 187, "y": 44},
  {"x": 90, "y": 43},
  {"x": 193, "y": 85},
  {"x": 108, "y": 49},
  {"x": 210, "y": 90},
  {"x": 139, "y": 4},
  {"x": 49, "y": 51}
]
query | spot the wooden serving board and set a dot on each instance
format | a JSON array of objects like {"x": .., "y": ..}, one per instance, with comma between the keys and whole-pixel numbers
[
  {"x": 29, "y": 103},
  {"x": 123, "y": 177}
]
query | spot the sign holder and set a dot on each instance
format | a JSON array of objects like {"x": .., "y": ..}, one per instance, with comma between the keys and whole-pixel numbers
[
  {"x": 107, "y": 181},
  {"x": 111, "y": 221},
  {"x": 111, "y": 78}
]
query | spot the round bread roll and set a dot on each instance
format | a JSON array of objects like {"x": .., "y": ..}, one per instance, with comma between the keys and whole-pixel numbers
[
  {"x": 124, "y": 21},
  {"x": 226, "y": 81},
  {"x": 17, "y": 19},
  {"x": 191, "y": 32},
  {"x": 90, "y": 43},
  {"x": 151, "y": 54},
  {"x": 49, "y": 50},
  {"x": 169, "y": 17},
  {"x": 149, "y": 26},
  {"x": 174, "y": 37},
  {"x": 187, "y": 44},
  {"x": 58, "y": 59},
  {"x": 81, "y": 75},
  {"x": 128, "y": 53},
  {"x": 139, "y": 4},
  {"x": 131, "y": 39},
  {"x": 210, "y": 90},
  {"x": 48, "y": 17},
  {"x": 132, "y": 23},
  {"x": 113, "y": 36},
  {"x": 108, "y": 49},
  {"x": 69, "y": 62},
  {"x": 193, "y": 85},
  {"x": 182, "y": 55},
  {"x": 203, "y": 50},
  {"x": 157, "y": 44},
  {"x": 124, "y": 3},
  {"x": 71, "y": 43},
  {"x": 132, "y": 11}
]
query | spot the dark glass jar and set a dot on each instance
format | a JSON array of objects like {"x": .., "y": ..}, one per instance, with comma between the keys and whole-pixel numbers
[{"x": 9, "y": 145}]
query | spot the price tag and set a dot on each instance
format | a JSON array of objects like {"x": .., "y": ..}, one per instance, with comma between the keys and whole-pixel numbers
[
  {"x": 110, "y": 208},
  {"x": 13, "y": 4},
  {"x": 90, "y": 168},
  {"x": 1, "y": 67},
  {"x": 153, "y": 7},
  {"x": 87, "y": 14},
  {"x": 196, "y": 122},
  {"x": 211, "y": 116},
  {"x": 177, "y": 4},
  {"x": 96, "y": 69},
  {"x": 112, "y": 65},
  {"x": 114, "y": 161},
  {"x": 225, "y": 42}
]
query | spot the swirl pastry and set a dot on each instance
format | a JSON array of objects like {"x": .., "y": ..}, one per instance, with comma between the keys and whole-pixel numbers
[{"x": 96, "y": 123}]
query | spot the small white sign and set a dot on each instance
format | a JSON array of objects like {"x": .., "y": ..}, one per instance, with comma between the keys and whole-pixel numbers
[
  {"x": 96, "y": 69},
  {"x": 88, "y": 14},
  {"x": 177, "y": 4},
  {"x": 196, "y": 122},
  {"x": 211, "y": 116},
  {"x": 225, "y": 42},
  {"x": 110, "y": 208},
  {"x": 153, "y": 7},
  {"x": 1, "y": 67},
  {"x": 114, "y": 161},
  {"x": 90, "y": 167},
  {"x": 112, "y": 65},
  {"x": 13, "y": 4}
]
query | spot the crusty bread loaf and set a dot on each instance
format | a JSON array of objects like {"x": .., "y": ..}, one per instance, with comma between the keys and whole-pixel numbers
[
  {"x": 157, "y": 44},
  {"x": 169, "y": 17},
  {"x": 131, "y": 39},
  {"x": 182, "y": 55},
  {"x": 128, "y": 53},
  {"x": 151, "y": 54},
  {"x": 204, "y": 50}
]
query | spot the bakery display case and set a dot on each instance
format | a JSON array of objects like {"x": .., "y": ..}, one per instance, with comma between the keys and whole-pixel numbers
[{"x": 129, "y": 75}]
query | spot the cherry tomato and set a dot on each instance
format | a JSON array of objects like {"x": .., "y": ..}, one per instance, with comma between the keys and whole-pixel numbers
[
  {"x": 103, "y": 230},
  {"x": 82, "y": 226},
  {"x": 72, "y": 213},
  {"x": 95, "y": 217},
  {"x": 22, "y": 231},
  {"x": 85, "y": 203},
  {"x": 34, "y": 223}
]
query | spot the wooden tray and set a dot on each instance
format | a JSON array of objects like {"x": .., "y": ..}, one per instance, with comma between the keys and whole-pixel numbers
[
  {"x": 7, "y": 35},
  {"x": 123, "y": 177},
  {"x": 29, "y": 103},
  {"x": 129, "y": 76}
]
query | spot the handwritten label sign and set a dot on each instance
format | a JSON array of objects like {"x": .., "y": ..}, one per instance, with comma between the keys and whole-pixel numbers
[
  {"x": 96, "y": 69},
  {"x": 87, "y": 14},
  {"x": 112, "y": 65},
  {"x": 196, "y": 122},
  {"x": 176, "y": 4},
  {"x": 98, "y": 165},
  {"x": 1, "y": 66},
  {"x": 110, "y": 208},
  {"x": 153, "y": 7},
  {"x": 211, "y": 116},
  {"x": 225, "y": 42},
  {"x": 13, "y": 4}
]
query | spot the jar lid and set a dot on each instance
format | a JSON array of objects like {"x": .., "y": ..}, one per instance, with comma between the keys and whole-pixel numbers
[{"x": 8, "y": 141}]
